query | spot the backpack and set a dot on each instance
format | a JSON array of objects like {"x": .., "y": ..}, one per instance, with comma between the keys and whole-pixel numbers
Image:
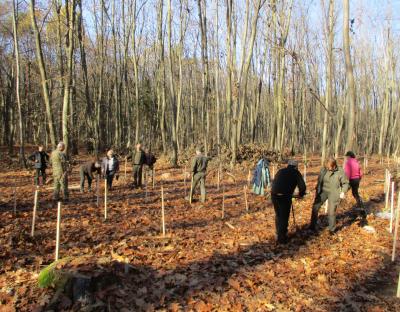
[{"x": 150, "y": 159}]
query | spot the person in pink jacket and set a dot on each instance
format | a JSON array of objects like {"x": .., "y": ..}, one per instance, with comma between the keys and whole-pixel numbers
[{"x": 353, "y": 172}]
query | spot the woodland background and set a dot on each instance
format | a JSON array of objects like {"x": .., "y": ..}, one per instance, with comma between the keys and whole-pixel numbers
[{"x": 319, "y": 76}]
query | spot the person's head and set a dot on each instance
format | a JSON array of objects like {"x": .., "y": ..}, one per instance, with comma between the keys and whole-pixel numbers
[
  {"x": 293, "y": 163},
  {"x": 97, "y": 164},
  {"x": 138, "y": 146},
  {"x": 331, "y": 164},
  {"x": 199, "y": 151},
  {"x": 40, "y": 148},
  {"x": 110, "y": 153},
  {"x": 350, "y": 154},
  {"x": 61, "y": 146}
]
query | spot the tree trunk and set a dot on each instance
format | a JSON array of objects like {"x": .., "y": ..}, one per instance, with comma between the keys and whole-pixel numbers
[
  {"x": 43, "y": 74},
  {"x": 351, "y": 89}
]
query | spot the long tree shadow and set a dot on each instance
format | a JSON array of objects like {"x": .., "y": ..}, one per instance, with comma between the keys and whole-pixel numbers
[
  {"x": 160, "y": 287},
  {"x": 375, "y": 292}
]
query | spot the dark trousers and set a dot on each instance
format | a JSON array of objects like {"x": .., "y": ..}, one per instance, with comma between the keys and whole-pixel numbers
[
  {"x": 109, "y": 177},
  {"x": 199, "y": 178},
  {"x": 282, "y": 206},
  {"x": 333, "y": 202},
  {"x": 137, "y": 175},
  {"x": 40, "y": 172},
  {"x": 355, "y": 185},
  {"x": 84, "y": 175}
]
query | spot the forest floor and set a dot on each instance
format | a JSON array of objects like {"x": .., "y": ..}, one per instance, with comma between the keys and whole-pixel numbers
[{"x": 204, "y": 263}]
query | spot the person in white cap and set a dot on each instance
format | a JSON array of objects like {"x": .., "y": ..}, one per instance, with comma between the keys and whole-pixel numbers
[{"x": 285, "y": 182}]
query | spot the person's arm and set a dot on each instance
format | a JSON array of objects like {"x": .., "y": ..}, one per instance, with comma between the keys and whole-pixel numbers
[
  {"x": 344, "y": 182},
  {"x": 103, "y": 166},
  {"x": 301, "y": 184},
  {"x": 194, "y": 165},
  {"x": 32, "y": 157}
]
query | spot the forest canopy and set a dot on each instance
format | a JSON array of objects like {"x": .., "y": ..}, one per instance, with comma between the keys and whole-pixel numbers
[{"x": 318, "y": 76}]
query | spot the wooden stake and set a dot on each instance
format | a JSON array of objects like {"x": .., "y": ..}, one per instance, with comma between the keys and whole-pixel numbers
[
  {"x": 15, "y": 198},
  {"x": 396, "y": 229},
  {"x": 398, "y": 288},
  {"x": 35, "y": 205},
  {"x": 245, "y": 198},
  {"x": 154, "y": 176},
  {"x": 126, "y": 160},
  {"x": 98, "y": 190},
  {"x": 218, "y": 177},
  {"x": 248, "y": 178},
  {"x": 162, "y": 211},
  {"x": 391, "y": 208},
  {"x": 58, "y": 229},
  {"x": 223, "y": 202},
  {"x": 184, "y": 182},
  {"x": 305, "y": 173},
  {"x": 146, "y": 189},
  {"x": 387, "y": 193},
  {"x": 105, "y": 198},
  {"x": 326, "y": 206},
  {"x": 191, "y": 191},
  {"x": 273, "y": 172}
]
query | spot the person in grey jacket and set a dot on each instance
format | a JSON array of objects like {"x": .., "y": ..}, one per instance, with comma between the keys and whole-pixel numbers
[
  {"x": 110, "y": 168},
  {"x": 332, "y": 185}
]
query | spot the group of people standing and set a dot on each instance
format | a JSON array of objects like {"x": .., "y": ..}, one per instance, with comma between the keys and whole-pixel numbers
[
  {"x": 108, "y": 168},
  {"x": 333, "y": 181},
  {"x": 332, "y": 185}
]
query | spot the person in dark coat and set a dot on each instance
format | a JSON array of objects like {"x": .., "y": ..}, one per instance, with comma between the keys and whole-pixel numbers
[
  {"x": 110, "y": 168},
  {"x": 40, "y": 159},
  {"x": 86, "y": 172},
  {"x": 332, "y": 185},
  {"x": 285, "y": 182}
]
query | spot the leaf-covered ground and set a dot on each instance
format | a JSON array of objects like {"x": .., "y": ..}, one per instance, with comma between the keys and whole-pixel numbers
[{"x": 205, "y": 263}]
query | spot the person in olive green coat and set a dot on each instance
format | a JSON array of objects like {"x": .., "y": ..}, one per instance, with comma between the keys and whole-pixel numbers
[
  {"x": 332, "y": 186},
  {"x": 138, "y": 160},
  {"x": 199, "y": 168},
  {"x": 59, "y": 162}
]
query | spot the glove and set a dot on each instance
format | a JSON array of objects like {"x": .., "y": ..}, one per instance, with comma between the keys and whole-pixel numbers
[{"x": 341, "y": 195}]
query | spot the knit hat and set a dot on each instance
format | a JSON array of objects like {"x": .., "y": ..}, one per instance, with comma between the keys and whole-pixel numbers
[
  {"x": 293, "y": 163},
  {"x": 350, "y": 154}
]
